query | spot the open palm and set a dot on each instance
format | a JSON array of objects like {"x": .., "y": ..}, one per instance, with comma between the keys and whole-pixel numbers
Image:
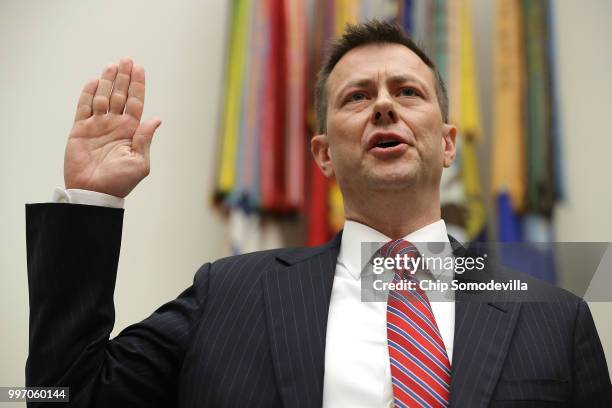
[{"x": 108, "y": 147}]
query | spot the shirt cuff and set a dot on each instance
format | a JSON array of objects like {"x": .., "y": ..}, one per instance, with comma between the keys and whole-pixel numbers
[{"x": 87, "y": 197}]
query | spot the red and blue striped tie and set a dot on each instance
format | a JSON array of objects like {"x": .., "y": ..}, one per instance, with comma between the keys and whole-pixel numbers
[{"x": 420, "y": 370}]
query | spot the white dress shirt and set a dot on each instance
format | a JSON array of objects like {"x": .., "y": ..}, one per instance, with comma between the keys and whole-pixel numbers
[
  {"x": 357, "y": 371},
  {"x": 76, "y": 196}
]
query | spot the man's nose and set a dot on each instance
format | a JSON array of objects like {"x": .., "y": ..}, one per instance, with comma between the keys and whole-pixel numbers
[{"x": 384, "y": 111}]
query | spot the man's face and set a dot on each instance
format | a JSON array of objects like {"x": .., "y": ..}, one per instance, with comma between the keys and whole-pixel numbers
[{"x": 384, "y": 125}]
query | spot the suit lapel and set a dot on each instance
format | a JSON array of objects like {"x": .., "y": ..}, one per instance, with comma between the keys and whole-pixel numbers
[
  {"x": 483, "y": 330},
  {"x": 297, "y": 294}
]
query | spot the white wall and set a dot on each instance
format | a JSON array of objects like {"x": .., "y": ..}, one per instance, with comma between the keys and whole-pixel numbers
[{"x": 48, "y": 50}]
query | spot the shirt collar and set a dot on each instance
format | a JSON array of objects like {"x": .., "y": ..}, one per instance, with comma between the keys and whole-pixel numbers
[{"x": 354, "y": 233}]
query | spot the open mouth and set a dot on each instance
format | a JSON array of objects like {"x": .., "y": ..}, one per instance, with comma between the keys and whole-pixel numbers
[
  {"x": 386, "y": 140},
  {"x": 387, "y": 144}
]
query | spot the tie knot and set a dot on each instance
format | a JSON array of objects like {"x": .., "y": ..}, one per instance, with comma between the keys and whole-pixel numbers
[
  {"x": 399, "y": 247},
  {"x": 401, "y": 251}
]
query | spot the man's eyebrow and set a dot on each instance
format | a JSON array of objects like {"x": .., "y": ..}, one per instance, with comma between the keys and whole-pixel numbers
[
  {"x": 396, "y": 79},
  {"x": 357, "y": 83}
]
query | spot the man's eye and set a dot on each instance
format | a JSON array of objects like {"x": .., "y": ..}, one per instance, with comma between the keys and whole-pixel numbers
[
  {"x": 408, "y": 92},
  {"x": 357, "y": 96}
]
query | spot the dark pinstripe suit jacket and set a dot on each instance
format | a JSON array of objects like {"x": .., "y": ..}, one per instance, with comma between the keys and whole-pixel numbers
[{"x": 250, "y": 332}]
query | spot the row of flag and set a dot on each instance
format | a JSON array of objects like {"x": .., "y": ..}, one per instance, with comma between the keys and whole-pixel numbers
[
  {"x": 526, "y": 154},
  {"x": 275, "y": 49}
]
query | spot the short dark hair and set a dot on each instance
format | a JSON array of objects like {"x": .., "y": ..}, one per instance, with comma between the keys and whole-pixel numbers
[{"x": 370, "y": 32}]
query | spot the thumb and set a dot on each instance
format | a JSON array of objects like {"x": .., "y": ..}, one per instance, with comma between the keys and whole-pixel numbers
[{"x": 144, "y": 135}]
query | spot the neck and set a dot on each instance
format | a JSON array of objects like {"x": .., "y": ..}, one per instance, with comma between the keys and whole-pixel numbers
[{"x": 395, "y": 215}]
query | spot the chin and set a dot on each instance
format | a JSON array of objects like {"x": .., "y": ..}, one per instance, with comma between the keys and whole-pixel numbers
[
  {"x": 397, "y": 171},
  {"x": 392, "y": 180}
]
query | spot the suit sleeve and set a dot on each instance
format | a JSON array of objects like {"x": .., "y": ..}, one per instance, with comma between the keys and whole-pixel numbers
[
  {"x": 72, "y": 254},
  {"x": 591, "y": 377}
]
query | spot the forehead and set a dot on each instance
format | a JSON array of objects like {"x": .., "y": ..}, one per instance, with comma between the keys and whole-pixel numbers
[{"x": 377, "y": 61}]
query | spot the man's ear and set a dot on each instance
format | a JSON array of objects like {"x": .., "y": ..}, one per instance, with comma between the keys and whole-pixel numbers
[
  {"x": 319, "y": 146},
  {"x": 449, "y": 143}
]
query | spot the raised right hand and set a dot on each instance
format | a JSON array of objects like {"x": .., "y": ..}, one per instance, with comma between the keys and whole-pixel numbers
[{"x": 108, "y": 147}]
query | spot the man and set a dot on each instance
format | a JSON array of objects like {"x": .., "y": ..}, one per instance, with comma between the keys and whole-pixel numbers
[{"x": 288, "y": 327}]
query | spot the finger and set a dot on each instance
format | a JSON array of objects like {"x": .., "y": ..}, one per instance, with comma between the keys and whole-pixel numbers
[
  {"x": 100, "y": 100},
  {"x": 136, "y": 92},
  {"x": 144, "y": 135},
  {"x": 84, "y": 109},
  {"x": 120, "y": 88}
]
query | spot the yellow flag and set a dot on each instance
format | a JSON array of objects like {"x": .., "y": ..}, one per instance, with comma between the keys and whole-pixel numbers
[
  {"x": 231, "y": 117},
  {"x": 469, "y": 119},
  {"x": 508, "y": 158},
  {"x": 453, "y": 66},
  {"x": 346, "y": 11},
  {"x": 475, "y": 220}
]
